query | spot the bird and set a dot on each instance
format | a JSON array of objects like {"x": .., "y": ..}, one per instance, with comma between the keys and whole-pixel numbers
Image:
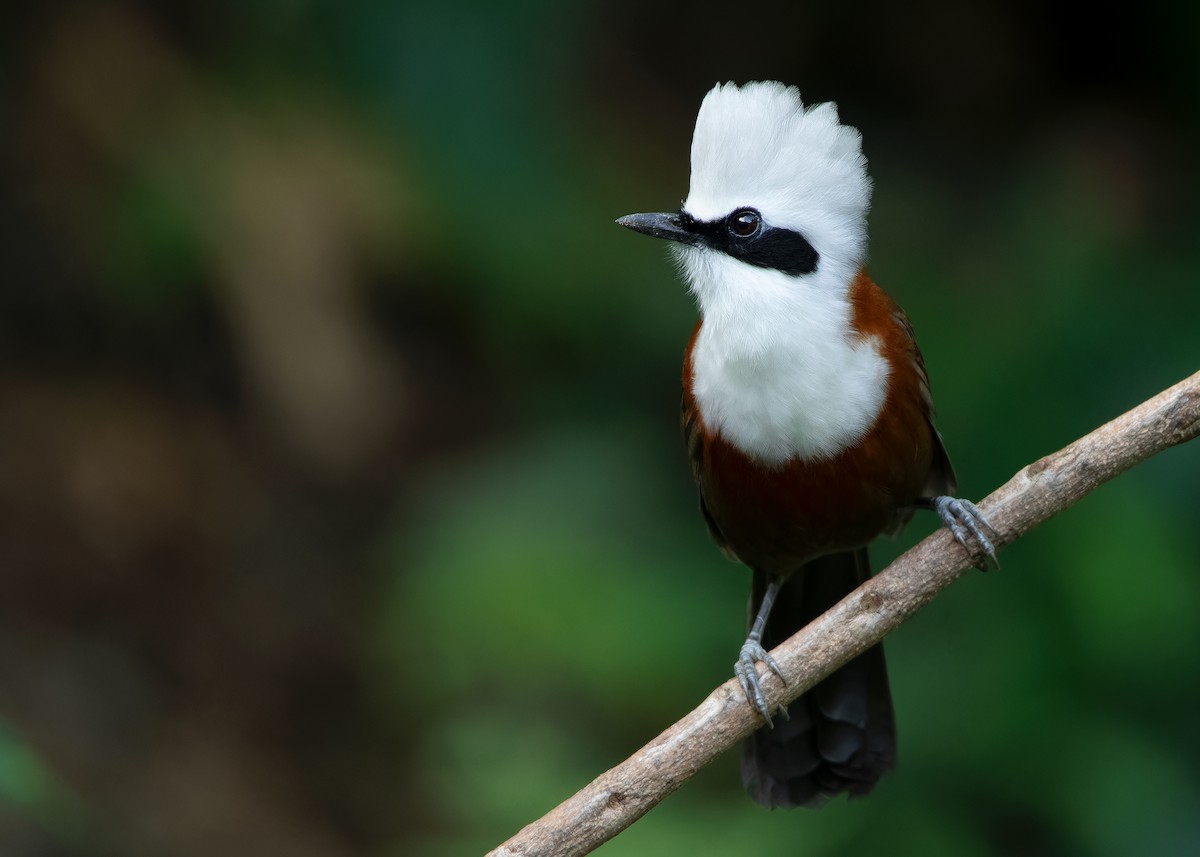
[{"x": 806, "y": 414}]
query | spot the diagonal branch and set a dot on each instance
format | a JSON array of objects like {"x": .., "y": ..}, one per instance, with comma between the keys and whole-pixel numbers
[{"x": 620, "y": 796}]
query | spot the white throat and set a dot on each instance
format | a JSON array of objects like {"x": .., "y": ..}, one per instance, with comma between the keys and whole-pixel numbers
[{"x": 777, "y": 370}]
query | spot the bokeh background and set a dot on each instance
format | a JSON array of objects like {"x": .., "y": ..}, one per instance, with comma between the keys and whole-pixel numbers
[{"x": 342, "y": 507}]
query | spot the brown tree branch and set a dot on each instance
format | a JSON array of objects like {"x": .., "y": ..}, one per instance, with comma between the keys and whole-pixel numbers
[{"x": 620, "y": 796}]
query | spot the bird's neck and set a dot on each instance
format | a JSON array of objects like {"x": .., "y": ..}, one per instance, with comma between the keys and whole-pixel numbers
[{"x": 788, "y": 370}]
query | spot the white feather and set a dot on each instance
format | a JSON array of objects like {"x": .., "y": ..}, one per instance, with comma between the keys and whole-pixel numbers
[{"x": 777, "y": 369}]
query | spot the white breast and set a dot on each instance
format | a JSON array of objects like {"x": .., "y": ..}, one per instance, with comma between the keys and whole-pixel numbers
[{"x": 776, "y": 368}]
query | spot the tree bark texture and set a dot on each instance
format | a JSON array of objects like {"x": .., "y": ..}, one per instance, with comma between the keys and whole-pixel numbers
[{"x": 620, "y": 796}]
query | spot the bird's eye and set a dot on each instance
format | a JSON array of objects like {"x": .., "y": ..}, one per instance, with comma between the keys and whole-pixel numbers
[{"x": 744, "y": 223}]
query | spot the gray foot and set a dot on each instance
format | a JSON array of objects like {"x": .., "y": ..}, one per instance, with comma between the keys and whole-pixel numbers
[
  {"x": 963, "y": 519},
  {"x": 747, "y": 675}
]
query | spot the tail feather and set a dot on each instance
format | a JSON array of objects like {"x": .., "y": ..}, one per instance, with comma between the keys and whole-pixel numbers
[{"x": 840, "y": 737}]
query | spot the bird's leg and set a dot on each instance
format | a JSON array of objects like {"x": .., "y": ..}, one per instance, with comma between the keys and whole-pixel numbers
[
  {"x": 752, "y": 651},
  {"x": 963, "y": 518}
]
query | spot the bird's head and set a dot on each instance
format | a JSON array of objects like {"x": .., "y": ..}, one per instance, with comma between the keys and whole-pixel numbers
[{"x": 779, "y": 193}]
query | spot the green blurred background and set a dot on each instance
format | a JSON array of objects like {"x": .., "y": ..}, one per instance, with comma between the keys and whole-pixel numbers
[{"x": 342, "y": 507}]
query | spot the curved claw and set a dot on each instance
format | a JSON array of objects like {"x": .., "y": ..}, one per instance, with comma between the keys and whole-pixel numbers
[
  {"x": 963, "y": 518},
  {"x": 747, "y": 675}
]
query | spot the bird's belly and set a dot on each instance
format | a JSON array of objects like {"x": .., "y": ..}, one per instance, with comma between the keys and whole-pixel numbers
[{"x": 777, "y": 518}]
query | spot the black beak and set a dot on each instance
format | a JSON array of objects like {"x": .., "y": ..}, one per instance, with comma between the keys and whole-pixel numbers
[{"x": 669, "y": 226}]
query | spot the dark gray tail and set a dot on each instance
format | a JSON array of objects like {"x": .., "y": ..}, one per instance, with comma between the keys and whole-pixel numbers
[{"x": 841, "y": 735}]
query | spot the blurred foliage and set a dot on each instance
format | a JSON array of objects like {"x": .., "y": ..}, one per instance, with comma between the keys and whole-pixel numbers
[{"x": 342, "y": 509}]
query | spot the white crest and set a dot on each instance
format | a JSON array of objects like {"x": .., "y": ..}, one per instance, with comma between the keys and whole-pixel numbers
[
  {"x": 757, "y": 145},
  {"x": 778, "y": 369}
]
